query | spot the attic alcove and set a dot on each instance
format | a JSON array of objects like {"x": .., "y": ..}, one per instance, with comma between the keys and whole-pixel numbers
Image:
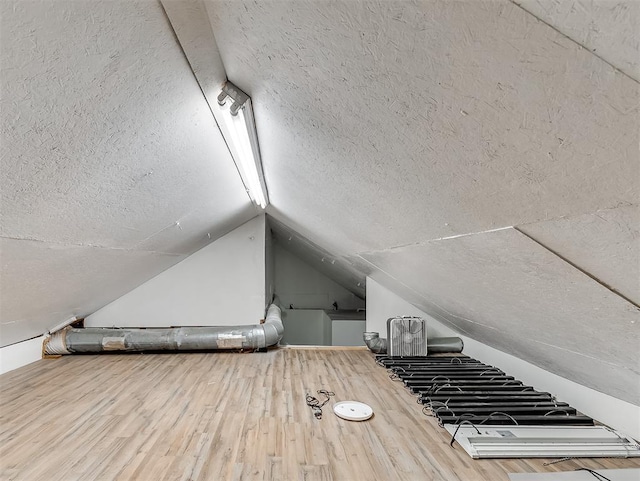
[
  {"x": 230, "y": 281},
  {"x": 323, "y": 300},
  {"x": 493, "y": 185}
]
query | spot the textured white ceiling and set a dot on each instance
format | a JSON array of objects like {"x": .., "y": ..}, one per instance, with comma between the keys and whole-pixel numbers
[
  {"x": 111, "y": 160},
  {"x": 401, "y": 139},
  {"x": 608, "y": 28},
  {"x": 391, "y": 129},
  {"x": 504, "y": 289},
  {"x": 44, "y": 284},
  {"x": 461, "y": 116},
  {"x": 606, "y": 244}
]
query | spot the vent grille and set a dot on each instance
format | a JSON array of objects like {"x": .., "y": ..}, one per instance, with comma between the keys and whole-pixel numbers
[{"x": 407, "y": 336}]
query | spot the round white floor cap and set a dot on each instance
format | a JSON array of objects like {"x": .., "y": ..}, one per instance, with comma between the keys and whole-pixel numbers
[{"x": 352, "y": 410}]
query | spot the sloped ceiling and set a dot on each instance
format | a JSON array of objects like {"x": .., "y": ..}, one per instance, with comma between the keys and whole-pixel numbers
[
  {"x": 112, "y": 168},
  {"x": 451, "y": 117},
  {"x": 479, "y": 161},
  {"x": 608, "y": 28},
  {"x": 320, "y": 259},
  {"x": 478, "y": 158}
]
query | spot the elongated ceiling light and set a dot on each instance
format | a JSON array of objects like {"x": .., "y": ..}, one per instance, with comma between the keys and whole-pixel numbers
[{"x": 239, "y": 130}]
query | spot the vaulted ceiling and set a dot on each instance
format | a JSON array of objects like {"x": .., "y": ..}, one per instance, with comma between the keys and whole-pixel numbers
[{"x": 478, "y": 158}]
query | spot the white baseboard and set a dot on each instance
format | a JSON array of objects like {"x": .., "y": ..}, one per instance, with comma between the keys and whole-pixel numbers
[{"x": 20, "y": 354}]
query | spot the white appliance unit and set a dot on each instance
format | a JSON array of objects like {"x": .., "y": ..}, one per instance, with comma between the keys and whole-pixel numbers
[
  {"x": 490, "y": 442},
  {"x": 407, "y": 336}
]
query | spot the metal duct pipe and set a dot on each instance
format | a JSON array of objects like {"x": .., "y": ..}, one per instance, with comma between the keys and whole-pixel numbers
[
  {"x": 444, "y": 344},
  {"x": 257, "y": 336},
  {"x": 375, "y": 343},
  {"x": 378, "y": 345}
]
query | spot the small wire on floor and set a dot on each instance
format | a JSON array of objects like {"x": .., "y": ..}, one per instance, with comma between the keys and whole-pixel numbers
[
  {"x": 315, "y": 404},
  {"x": 556, "y": 461}
]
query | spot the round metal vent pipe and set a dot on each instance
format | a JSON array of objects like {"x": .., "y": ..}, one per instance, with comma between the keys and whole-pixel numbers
[
  {"x": 257, "y": 336},
  {"x": 375, "y": 343},
  {"x": 378, "y": 345},
  {"x": 444, "y": 344}
]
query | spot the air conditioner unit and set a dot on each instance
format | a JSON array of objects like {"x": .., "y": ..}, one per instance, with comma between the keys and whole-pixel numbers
[{"x": 407, "y": 336}]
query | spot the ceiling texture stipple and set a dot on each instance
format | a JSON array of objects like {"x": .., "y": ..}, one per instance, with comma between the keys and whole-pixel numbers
[
  {"x": 463, "y": 116},
  {"x": 506, "y": 290},
  {"x": 52, "y": 282},
  {"x": 112, "y": 166},
  {"x": 613, "y": 234},
  {"x": 407, "y": 138},
  {"x": 608, "y": 28},
  {"x": 479, "y": 159}
]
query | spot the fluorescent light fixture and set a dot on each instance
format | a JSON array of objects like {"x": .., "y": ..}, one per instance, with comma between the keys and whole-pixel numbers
[{"x": 239, "y": 130}]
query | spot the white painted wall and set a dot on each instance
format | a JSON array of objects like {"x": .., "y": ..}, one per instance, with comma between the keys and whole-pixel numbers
[
  {"x": 221, "y": 284},
  {"x": 383, "y": 304},
  {"x": 20, "y": 354},
  {"x": 618, "y": 414},
  {"x": 300, "y": 284}
]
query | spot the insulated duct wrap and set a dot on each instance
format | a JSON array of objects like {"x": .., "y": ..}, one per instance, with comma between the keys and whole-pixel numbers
[
  {"x": 257, "y": 336},
  {"x": 378, "y": 345},
  {"x": 444, "y": 344},
  {"x": 375, "y": 343}
]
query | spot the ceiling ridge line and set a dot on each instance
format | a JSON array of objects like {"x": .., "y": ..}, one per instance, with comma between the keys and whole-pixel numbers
[
  {"x": 581, "y": 354},
  {"x": 488, "y": 231},
  {"x": 437, "y": 239},
  {"x": 620, "y": 205},
  {"x": 19, "y": 342},
  {"x": 91, "y": 246},
  {"x": 617, "y": 69},
  {"x": 201, "y": 87},
  {"x": 560, "y": 348},
  {"x": 30, "y": 239},
  {"x": 577, "y": 267},
  {"x": 27, "y": 319}
]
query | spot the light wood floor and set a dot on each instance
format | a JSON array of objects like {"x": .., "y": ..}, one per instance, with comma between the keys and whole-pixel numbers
[{"x": 227, "y": 416}]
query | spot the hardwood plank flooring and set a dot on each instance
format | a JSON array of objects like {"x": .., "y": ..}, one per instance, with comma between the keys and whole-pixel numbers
[{"x": 228, "y": 416}]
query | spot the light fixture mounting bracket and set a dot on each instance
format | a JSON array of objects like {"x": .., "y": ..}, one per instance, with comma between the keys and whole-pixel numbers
[{"x": 230, "y": 91}]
